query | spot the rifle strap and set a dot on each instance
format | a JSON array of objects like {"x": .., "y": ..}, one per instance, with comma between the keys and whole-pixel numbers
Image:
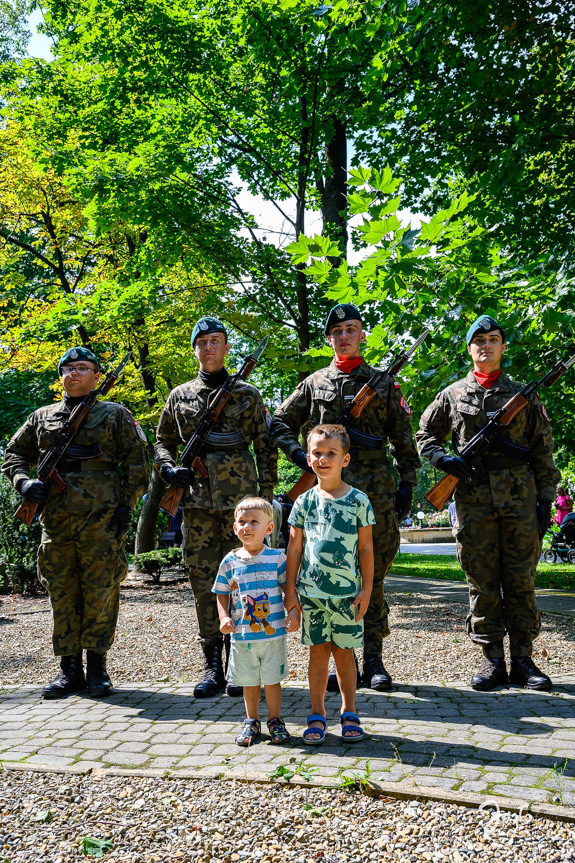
[
  {"x": 86, "y": 466},
  {"x": 367, "y": 454},
  {"x": 500, "y": 462}
]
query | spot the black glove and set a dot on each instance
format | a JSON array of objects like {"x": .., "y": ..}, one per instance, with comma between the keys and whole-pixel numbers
[
  {"x": 543, "y": 516},
  {"x": 121, "y": 520},
  {"x": 182, "y": 477},
  {"x": 403, "y": 498},
  {"x": 299, "y": 457},
  {"x": 33, "y": 489},
  {"x": 455, "y": 466}
]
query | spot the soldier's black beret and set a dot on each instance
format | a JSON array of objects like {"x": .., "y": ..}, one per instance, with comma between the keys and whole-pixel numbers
[
  {"x": 342, "y": 312},
  {"x": 484, "y": 324},
  {"x": 208, "y": 325},
  {"x": 72, "y": 355}
]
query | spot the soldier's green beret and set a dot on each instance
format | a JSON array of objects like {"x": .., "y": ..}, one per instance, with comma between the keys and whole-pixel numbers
[
  {"x": 208, "y": 325},
  {"x": 484, "y": 324},
  {"x": 342, "y": 312},
  {"x": 72, "y": 355}
]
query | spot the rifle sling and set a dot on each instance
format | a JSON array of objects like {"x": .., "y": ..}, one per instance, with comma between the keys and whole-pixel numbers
[
  {"x": 68, "y": 466},
  {"x": 499, "y": 462},
  {"x": 367, "y": 454}
]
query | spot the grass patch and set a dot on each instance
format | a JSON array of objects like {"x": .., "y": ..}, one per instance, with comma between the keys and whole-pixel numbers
[{"x": 559, "y": 576}]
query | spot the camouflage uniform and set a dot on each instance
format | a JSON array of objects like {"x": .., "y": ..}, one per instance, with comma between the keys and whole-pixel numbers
[
  {"x": 209, "y": 503},
  {"x": 320, "y": 398},
  {"x": 80, "y": 562},
  {"x": 497, "y": 534}
]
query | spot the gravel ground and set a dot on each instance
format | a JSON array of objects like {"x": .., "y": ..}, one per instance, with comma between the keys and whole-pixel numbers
[
  {"x": 157, "y": 632},
  {"x": 45, "y": 817}
]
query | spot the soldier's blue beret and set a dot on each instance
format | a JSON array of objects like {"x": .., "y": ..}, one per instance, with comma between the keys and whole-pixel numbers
[
  {"x": 484, "y": 324},
  {"x": 208, "y": 325},
  {"x": 73, "y": 355},
  {"x": 342, "y": 312}
]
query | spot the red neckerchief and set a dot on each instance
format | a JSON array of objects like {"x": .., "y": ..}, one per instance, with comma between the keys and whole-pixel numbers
[
  {"x": 486, "y": 380},
  {"x": 348, "y": 365}
]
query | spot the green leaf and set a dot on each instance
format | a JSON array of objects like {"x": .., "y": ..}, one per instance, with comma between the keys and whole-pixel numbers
[
  {"x": 95, "y": 847},
  {"x": 44, "y": 816},
  {"x": 376, "y": 231}
]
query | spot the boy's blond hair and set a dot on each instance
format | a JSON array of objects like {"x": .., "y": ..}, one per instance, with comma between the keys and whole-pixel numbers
[
  {"x": 331, "y": 430},
  {"x": 254, "y": 503}
]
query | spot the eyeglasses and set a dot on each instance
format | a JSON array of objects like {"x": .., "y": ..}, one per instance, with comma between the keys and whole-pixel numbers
[{"x": 82, "y": 370}]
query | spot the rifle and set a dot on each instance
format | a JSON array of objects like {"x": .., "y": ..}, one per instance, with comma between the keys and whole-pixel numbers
[
  {"x": 489, "y": 434},
  {"x": 204, "y": 434},
  {"x": 354, "y": 410},
  {"x": 48, "y": 467}
]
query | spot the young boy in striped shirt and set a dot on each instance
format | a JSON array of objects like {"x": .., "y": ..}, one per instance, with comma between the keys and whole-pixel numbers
[{"x": 249, "y": 588}]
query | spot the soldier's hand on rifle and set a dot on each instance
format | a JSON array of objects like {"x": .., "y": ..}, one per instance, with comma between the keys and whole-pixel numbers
[
  {"x": 33, "y": 489},
  {"x": 455, "y": 466},
  {"x": 403, "y": 498},
  {"x": 299, "y": 458},
  {"x": 543, "y": 516},
  {"x": 121, "y": 520},
  {"x": 178, "y": 476}
]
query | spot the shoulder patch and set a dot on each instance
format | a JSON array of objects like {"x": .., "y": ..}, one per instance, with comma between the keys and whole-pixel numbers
[
  {"x": 140, "y": 432},
  {"x": 405, "y": 405}
]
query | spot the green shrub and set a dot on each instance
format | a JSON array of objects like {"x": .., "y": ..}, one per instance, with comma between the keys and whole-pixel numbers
[
  {"x": 18, "y": 545},
  {"x": 153, "y": 562}
]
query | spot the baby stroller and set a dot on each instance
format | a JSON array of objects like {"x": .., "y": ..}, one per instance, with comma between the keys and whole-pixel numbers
[{"x": 563, "y": 542}]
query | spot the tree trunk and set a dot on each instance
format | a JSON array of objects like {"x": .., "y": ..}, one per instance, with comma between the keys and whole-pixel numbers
[
  {"x": 302, "y": 298},
  {"x": 334, "y": 199},
  {"x": 146, "y": 531}
]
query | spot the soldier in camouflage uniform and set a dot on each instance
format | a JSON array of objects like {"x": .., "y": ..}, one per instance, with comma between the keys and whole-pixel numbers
[
  {"x": 209, "y": 503},
  {"x": 81, "y": 561},
  {"x": 499, "y": 522},
  {"x": 320, "y": 399}
]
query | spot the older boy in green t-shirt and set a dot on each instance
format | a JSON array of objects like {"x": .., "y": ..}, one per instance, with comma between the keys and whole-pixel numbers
[{"x": 330, "y": 553}]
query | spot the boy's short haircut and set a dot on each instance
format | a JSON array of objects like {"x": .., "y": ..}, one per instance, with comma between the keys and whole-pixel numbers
[
  {"x": 332, "y": 430},
  {"x": 254, "y": 503}
]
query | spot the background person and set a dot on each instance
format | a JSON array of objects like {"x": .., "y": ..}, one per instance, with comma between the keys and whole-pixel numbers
[
  {"x": 500, "y": 522},
  {"x": 321, "y": 398},
  {"x": 81, "y": 560},
  {"x": 208, "y": 504}
]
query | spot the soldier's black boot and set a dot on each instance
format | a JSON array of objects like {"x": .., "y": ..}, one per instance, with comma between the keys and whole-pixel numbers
[
  {"x": 213, "y": 679},
  {"x": 374, "y": 674},
  {"x": 99, "y": 684},
  {"x": 231, "y": 690},
  {"x": 69, "y": 679},
  {"x": 492, "y": 673},
  {"x": 332, "y": 682},
  {"x": 525, "y": 673}
]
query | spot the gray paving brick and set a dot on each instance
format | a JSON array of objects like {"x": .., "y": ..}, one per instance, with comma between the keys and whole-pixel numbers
[
  {"x": 195, "y": 761},
  {"x": 131, "y": 747},
  {"x": 523, "y": 793},
  {"x": 169, "y": 749},
  {"x": 127, "y": 759},
  {"x": 476, "y": 786},
  {"x": 14, "y": 755},
  {"x": 50, "y": 760}
]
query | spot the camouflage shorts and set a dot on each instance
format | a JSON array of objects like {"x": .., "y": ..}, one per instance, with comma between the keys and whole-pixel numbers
[{"x": 330, "y": 620}]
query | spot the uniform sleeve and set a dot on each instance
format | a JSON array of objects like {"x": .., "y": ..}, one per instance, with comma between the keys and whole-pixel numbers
[
  {"x": 434, "y": 429},
  {"x": 265, "y": 451},
  {"x": 21, "y": 453},
  {"x": 546, "y": 474},
  {"x": 289, "y": 418},
  {"x": 222, "y": 582},
  {"x": 400, "y": 434},
  {"x": 365, "y": 514},
  {"x": 134, "y": 459},
  {"x": 167, "y": 436},
  {"x": 297, "y": 515}
]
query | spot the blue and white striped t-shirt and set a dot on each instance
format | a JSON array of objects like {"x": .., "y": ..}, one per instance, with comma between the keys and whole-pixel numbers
[{"x": 256, "y": 600}]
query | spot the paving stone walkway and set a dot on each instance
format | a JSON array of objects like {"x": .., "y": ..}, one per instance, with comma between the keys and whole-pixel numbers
[{"x": 510, "y": 743}]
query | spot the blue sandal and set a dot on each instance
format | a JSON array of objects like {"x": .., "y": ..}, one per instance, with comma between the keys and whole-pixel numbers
[
  {"x": 351, "y": 738},
  {"x": 315, "y": 741}
]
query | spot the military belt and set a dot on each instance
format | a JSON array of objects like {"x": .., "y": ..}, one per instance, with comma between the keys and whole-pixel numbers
[
  {"x": 236, "y": 448},
  {"x": 499, "y": 462},
  {"x": 69, "y": 466},
  {"x": 367, "y": 454}
]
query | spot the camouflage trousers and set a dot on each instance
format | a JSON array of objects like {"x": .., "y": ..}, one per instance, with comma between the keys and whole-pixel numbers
[
  {"x": 498, "y": 549},
  {"x": 385, "y": 546},
  {"x": 81, "y": 565},
  {"x": 208, "y": 537}
]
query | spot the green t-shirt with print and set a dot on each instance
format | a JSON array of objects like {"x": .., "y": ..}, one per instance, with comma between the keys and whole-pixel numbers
[{"x": 330, "y": 561}]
